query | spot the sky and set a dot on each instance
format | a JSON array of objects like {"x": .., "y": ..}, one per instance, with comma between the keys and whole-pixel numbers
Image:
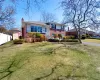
[{"x": 51, "y": 6}]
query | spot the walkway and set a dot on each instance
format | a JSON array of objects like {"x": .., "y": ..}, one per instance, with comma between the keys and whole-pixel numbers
[{"x": 91, "y": 43}]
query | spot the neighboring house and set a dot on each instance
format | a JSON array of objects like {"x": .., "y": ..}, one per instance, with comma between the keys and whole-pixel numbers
[
  {"x": 82, "y": 32},
  {"x": 48, "y": 29},
  {"x": 4, "y": 38},
  {"x": 15, "y": 33}
]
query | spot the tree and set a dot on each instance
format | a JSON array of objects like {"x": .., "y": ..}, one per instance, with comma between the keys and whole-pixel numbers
[
  {"x": 2, "y": 29},
  {"x": 6, "y": 14},
  {"x": 48, "y": 17},
  {"x": 80, "y": 13},
  {"x": 29, "y": 4}
]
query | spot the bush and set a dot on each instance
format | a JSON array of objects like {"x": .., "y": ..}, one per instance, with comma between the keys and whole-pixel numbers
[
  {"x": 64, "y": 37},
  {"x": 69, "y": 37},
  {"x": 70, "y": 40},
  {"x": 20, "y": 37},
  {"x": 72, "y": 37},
  {"x": 87, "y": 35},
  {"x": 53, "y": 40},
  {"x": 59, "y": 36},
  {"x": 55, "y": 35},
  {"x": 18, "y": 41},
  {"x": 83, "y": 37},
  {"x": 31, "y": 34},
  {"x": 38, "y": 35},
  {"x": 42, "y": 37}
]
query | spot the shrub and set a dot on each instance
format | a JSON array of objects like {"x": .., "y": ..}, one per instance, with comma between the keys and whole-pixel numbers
[
  {"x": 18, "y": 41},
  {"x": 20, "y": 37},
  {"x": 70, "y": 40},
  {"x": 42, "y": 37},
  {"x": 69, "y": 37},
  {"x": 53, "y": 40},
  {"x": 72, "y": 37},
  {"x": 55, "y": 35},
  {"x": 83, "y": 36},
  {"x": 31, "y": 34},
  {"x": 38, "y": 35},
  {"x": 59, "y": 36},
  {"x": 87, "y": 35}
]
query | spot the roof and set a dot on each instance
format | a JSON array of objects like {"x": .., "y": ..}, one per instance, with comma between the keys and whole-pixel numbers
[
  {"x": 35, "y": 22},
  {"x": 13, "y": 31},
  {"x": 74, "y": 30},
  {"x": 56, "y": 23}
]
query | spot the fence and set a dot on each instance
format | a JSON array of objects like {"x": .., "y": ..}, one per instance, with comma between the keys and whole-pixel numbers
[{"x": 4, "y": 38}]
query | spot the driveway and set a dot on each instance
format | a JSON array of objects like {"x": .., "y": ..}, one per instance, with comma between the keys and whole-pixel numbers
[{"x": 91, "y": 43}]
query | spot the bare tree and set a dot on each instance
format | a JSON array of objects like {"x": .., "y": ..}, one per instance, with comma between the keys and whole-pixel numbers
[
  {"x": 80, "y": 13},
  {"x": 48, "y": 17},
  {"x": 7, "y": 17},
  {"x": 7, "y": 12},
  {"x": 2, "y": 29}
]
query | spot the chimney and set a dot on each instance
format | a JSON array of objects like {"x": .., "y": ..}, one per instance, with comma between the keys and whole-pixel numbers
[
  {"x": 22, "y": 20},
  {"x": 68, "y": 28}
]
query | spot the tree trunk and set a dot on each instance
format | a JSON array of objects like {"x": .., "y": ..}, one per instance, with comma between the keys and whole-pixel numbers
[
  {"x": 78, "y": 33},
  {"x": 79, "y": 36},
  {"x": 79, "y": 40}
]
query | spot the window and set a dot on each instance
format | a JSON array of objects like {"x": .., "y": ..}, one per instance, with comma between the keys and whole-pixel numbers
[
  {"x": 62, "y": 28},
  {"x": 45, "y": 29},
  {"x": 58, "y": 27},
  {"x": 53, "y": 26},
  {"x": 28, "y": 29},
  {"x": 34, "y": 29},
  {"x": 53, "y": 35},
  {"x": 38, "y": 29}
]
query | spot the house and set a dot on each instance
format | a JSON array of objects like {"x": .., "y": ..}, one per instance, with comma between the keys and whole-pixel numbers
[
  {"x": 15, "y": 33},
  {"x": 48, "y": 29},
  {"x": 4, "y": 38},
  {"x": 73, "y": 32}
]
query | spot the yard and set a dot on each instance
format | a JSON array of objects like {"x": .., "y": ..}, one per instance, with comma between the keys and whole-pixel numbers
[{"x": 48, "y": 61}]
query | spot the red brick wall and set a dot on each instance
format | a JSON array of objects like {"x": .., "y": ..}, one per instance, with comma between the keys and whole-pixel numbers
[
  {"x": 57, "y": 32},
  {"x": 71, "y": 33},
  {"x": 23, "y": 32}
]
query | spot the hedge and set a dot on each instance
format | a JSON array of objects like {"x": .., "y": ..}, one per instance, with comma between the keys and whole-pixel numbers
[
  {"x": 64, "y": 40},
  {"x": 53, "y": 40},
  {"x": 70, "y": 40},
  {"x": 18, "y": 41}
]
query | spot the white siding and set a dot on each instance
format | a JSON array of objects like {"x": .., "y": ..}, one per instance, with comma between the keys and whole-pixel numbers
[
  {"x": 15, "y": 36},
  {"x": 28, "y": 28},
  {"x": 58, "y": 27},
  {"x": 43, "y": 30},
  {"x": 4, "y": 38}
]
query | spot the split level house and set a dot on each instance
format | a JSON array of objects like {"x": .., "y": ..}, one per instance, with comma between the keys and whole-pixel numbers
[{"x": 48, "y": 29}]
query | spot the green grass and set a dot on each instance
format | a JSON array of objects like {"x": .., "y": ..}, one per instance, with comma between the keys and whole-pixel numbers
[
  {"x": 47, "y": 61},
  {"x": 92, "y": 40}
]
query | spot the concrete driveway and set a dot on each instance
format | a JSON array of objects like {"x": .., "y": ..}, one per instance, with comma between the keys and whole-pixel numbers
[{"x": 91, "y": 43}]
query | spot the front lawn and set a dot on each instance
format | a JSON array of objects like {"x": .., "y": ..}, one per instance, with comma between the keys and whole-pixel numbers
[{"x": 47, "y": 61}]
